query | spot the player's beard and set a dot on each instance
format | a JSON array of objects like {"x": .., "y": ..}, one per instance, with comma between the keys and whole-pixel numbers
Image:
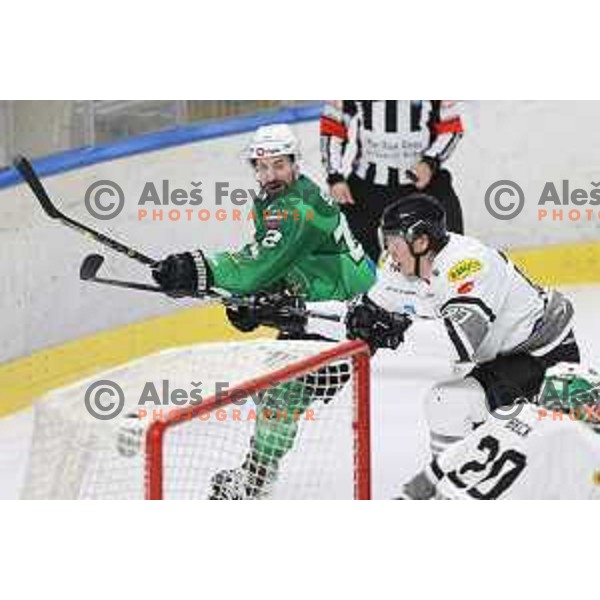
[{"x": 274, "y": 188}]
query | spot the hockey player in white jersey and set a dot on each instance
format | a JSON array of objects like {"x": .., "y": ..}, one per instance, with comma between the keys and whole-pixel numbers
[
  {"x": 489, "y": 316},
  {"x": 549, "y": 451}
]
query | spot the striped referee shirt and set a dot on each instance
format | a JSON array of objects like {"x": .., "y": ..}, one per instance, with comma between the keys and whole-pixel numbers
[{"x": 390, "y": 136}]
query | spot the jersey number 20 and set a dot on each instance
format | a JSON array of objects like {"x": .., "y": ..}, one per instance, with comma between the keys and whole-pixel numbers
[{"x": 503, "y": 470}]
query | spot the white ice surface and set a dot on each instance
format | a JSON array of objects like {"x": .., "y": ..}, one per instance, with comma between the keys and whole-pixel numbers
[{"x": 399, "y": 436}]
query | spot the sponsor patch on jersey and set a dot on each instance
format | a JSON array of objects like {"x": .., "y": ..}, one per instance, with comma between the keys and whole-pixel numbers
[
  {"x": 465, "y": 287},
  {"x": 463, "y": 269}
]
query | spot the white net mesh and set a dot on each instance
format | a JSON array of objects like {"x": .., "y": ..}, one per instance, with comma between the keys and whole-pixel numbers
[{"x": 294, "y": 436}]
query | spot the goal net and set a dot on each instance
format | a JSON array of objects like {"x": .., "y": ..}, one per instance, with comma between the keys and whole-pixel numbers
[{"x": 242, "y": 420}]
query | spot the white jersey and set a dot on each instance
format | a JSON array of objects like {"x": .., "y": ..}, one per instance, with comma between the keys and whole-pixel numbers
[
  {"x": 487, "y": 306},
  {"x": 528, "y": 457}
]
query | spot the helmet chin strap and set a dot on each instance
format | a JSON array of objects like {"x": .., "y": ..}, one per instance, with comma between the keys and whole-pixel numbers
[
  {"x": 417, "y": 256},
  {"x": 417, "y": 265}
]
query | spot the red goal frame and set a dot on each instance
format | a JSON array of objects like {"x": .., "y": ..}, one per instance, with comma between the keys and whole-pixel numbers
[{"x": 357, "y": 351}]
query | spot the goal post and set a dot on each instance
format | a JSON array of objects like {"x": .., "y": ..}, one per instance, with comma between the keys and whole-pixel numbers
[
  {"x": 301, "y": 408},
  {"x": 356, "y": 351}
]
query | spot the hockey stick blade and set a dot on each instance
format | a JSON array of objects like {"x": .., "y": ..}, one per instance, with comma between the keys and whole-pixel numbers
[
  {"x": 90, "y": 266},
  {"x": 25, "y": 168}
]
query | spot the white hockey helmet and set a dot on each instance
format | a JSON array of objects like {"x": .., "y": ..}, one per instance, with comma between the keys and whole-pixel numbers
[{"x": 272, "y": 140}]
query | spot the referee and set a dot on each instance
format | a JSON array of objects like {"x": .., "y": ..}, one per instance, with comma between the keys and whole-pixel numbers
[{"x": 399, "y": 146}]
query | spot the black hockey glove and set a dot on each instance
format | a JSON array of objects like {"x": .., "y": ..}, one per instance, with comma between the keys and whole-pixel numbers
[
  {"x": 185, "y": 274},
  {"x": 281, "y": 310},
  {"x": 374, "y": 325}
]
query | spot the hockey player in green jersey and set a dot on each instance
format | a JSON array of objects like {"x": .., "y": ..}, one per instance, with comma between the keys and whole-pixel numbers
[{"x": 302, "y": 251}]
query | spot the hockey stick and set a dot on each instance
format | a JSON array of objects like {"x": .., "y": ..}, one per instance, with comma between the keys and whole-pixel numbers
[
  {"x": 25, "y": 168},
  {"x": 91, "y": 265},
  {"x": 93, "y": 262},
  {"x": 88, "y": 271}
]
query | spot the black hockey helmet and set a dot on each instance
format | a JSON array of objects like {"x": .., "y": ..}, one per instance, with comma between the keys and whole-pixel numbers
[{"x": 415, "y": 215}]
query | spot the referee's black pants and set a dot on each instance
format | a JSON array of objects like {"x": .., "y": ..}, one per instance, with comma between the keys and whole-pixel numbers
[{"x": 370, "y": 200}]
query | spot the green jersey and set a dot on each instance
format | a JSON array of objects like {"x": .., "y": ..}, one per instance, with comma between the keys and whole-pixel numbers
[{"x": 302, "y": 242}]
